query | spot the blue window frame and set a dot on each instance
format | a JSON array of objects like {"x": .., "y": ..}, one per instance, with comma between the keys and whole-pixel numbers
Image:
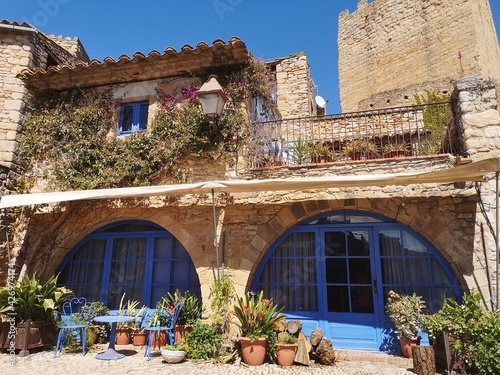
[
  {"x": 140, "y": 259},
  {"x": 133, "y": 117}
]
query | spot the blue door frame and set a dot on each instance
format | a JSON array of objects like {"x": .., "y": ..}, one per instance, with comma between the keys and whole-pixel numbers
[{"x": 356, "y": 327}]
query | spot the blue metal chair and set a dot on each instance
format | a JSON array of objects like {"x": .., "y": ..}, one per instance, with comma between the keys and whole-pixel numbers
[
  {"x": 171, "y": 318},
  {"x": 72, "y": 320}
]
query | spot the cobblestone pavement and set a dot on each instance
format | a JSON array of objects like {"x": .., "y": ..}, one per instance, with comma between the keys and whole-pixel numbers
[{"x": 135, "y": 363}]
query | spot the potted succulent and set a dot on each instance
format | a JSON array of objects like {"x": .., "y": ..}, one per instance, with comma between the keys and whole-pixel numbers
[
  {"x": 256, "y": 319},
  {"x": 286, "y": 347},
  {"x": 35, "y": 305},
  {"x": 406, "y": 314}
]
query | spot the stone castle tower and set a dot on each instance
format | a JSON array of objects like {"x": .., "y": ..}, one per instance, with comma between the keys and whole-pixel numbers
[{"x": 391, "y": 49}]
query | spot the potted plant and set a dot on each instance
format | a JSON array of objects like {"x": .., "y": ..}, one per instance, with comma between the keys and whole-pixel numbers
[
  {"x": 191, "y": 312},
  {"x": 96, "y": 332},
  {"x": 174, "y": 353},
  {"x": 124, "y": 330},
  {"x": 35, "y": 306},
  {"x": 406, "y": 314},
  {"x": 361, "y": 149},
  {"x": 320, "y": 153},
  {"x": 394, "y": 150},
  {"x": 286, "y": 347},
  {"x": 256, "y": 319}
]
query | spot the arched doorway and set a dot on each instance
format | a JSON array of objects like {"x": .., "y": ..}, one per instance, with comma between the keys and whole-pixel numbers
[
  {"x": 138, "y": 258},
  {"x": 335, "y": 271}
]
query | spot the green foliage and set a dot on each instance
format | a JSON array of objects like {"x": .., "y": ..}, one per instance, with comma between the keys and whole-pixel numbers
[
  {"x": 300, "y": 151},
  {"x": 192, "y": 307},
  {"x": 477, "y": 332},
  {"x": 406, "y": 313},
  {"x": 223, "y": 296},
  {"x": 436, "y": 118},
  {"x": 70, "y": 135},
  {"x": 203, "y": 342},
  {"x": 33, "y": 300},
  {"x": 257, "y": 317},
  {"x": 286, "y": 338}
]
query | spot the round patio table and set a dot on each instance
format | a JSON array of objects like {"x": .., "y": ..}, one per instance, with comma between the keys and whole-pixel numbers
[{"x": 111, "y": 353}]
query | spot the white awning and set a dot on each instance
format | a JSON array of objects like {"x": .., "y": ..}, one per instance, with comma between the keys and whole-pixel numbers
[{"x": 469, "y": 172}]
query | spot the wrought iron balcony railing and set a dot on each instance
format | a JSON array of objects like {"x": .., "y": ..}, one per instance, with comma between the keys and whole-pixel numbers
[{"x": 415, "y": 131}]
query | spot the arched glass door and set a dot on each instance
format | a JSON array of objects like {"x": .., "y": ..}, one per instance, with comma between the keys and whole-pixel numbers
[
  {"x": 335, "y": 271},
  {"x": 139, "y": 259}
]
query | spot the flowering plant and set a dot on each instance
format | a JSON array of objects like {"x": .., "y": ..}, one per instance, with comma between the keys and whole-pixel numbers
[
  {"x": 257, "y": 316},
  {"x": 406, "y": 313}
]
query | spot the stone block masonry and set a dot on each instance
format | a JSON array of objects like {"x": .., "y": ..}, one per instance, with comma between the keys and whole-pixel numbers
[{"x": 391, "y": 49}]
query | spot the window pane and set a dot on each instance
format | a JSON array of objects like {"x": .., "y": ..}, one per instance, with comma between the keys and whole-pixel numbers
[
  {"x": 417, "y": 270},
  {"x": 120, "y": 248},
  {"x": 161, "y": 272},
  {"x": 118, "y": 272},
  {"x": 126, "y": 120},
  {"x": 362, "y": 299},
  {"x": 135, "y": 273},
  {"x": 414, "y": 247},
  {"x": 138, "y": 248},
  {"x": 338, "y": 299},
  {"x": 163, "y": 248},
  {"x": 306, "y": 244},
  {"x": 359, "y": 271},
  {"x": 307, "y": 298},
  {"x": 285, "y": 296},
  {"x": 358, "y": 243},
  {"x": 393, "y": 271},
  {"x": 336, "y": 270},
  {"x": 390, "y": 243},
  {"x": 97, "y": 249},
  {"x": 286, "y": 248},
  {"x": 143, "y": 116},
  {"x": 335, "y": 243}
]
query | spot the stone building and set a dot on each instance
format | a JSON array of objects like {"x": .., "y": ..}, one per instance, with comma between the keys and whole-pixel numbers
[
  {"x": 327, "y": 239},
  {"x": 382, "y": 41}
]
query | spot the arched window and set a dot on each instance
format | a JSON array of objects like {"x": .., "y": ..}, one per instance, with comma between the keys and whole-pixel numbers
[{"x": 140, "y": 259}]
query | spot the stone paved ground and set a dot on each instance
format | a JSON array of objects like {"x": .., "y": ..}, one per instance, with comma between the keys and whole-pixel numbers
[{"x": 135, "y": 363}]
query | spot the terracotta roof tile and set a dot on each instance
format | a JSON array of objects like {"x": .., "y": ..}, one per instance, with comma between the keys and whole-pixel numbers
[{"x": 128, "y": 69}]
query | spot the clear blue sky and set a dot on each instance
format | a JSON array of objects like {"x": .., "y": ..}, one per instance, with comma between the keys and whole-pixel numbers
[{"x": 269, "y": 28}]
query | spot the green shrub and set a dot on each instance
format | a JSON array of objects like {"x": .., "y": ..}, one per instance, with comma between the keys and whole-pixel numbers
[
  {"x": 477, "y": 333},
  {"x": 203, "y": 342}
]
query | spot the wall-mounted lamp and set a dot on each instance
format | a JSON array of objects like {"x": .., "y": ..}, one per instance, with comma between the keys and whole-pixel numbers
[{"x": 212, "y": 99}]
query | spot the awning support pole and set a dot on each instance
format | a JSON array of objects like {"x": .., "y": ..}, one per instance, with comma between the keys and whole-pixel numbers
[
  {"x": 216, "y": 238},
  {"x": 497, "y": 243}
]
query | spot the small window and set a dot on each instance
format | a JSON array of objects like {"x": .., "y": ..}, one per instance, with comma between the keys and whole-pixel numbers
[{"x": 133, "y": 117}]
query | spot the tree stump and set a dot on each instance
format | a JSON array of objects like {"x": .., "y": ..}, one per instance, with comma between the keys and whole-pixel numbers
[{"x": 423, "y": 360}]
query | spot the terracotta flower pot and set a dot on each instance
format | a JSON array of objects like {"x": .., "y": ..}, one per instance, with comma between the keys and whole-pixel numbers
[
  {"x": 139, "y": 338},
  {"x": 253, "y": 352},
  {"x": 180, "y": 331},
  {"x": 285, "y": 355},
  {"x": 406, "y": 345},
  {"x": 123, "y": 336}
]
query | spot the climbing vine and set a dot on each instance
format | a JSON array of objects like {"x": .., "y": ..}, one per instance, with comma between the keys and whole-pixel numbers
[{"x": 70, "y": 135}]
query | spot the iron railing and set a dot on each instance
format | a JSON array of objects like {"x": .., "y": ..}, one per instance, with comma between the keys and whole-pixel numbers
[{"x": 414, "y": 131}]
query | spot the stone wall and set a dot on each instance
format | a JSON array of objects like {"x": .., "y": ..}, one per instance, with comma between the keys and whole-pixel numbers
[
  {"x": 295, "y": 88},
  {"x": 391, "y": 49}
]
